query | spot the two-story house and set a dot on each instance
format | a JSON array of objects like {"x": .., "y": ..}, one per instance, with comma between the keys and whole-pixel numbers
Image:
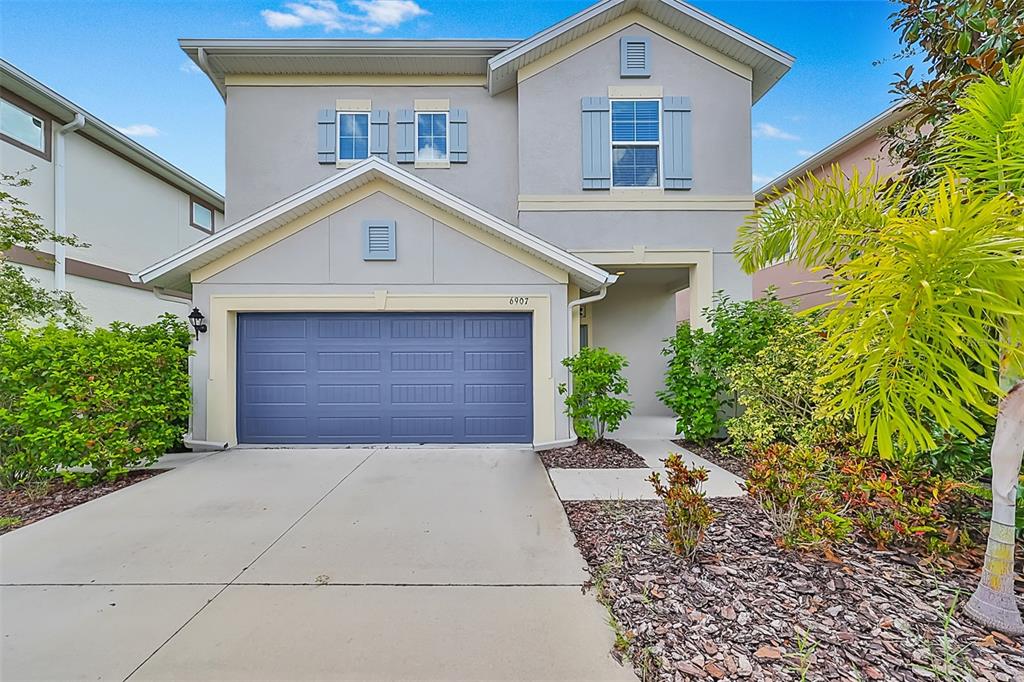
[
  {"x": 90, "y": 180},
  {"x": 419, "y": 232}
]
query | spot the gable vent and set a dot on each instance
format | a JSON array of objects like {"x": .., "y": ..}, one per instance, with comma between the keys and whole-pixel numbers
[
  {"x": 379, "y": 240},
  {"x": 635, "y": 57}
]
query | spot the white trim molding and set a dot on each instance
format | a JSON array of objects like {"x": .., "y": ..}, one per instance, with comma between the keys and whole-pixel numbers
[{"x": 638, "y": 199}]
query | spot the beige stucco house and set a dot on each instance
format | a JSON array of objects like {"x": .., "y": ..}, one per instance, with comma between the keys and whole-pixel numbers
[
  {"x": 87, "y": 179},
  {"x": 419, "y": 232}
]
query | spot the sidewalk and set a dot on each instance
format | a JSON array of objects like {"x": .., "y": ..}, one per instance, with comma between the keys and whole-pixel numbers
[{"x": 632, "y": 484}]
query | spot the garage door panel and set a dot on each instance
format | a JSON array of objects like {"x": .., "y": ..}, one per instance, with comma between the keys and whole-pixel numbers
[{"x": 384, "y": 377}]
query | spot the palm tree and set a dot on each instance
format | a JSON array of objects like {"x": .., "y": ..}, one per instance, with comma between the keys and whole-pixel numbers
[{"x": 926, "y": 320}]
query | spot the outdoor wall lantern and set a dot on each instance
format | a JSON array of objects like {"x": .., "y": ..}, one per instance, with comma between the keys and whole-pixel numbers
[{"x": 196, "y": 318}]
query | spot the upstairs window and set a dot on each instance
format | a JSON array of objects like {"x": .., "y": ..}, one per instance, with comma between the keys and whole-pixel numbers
[
  {"x": 353, "y": 136},
  {"x": 23, "y": 128},
  {"x": 431, "y": 136},
  {"x": 636, "y": 143},
  {"x": 201, "y": 216}
]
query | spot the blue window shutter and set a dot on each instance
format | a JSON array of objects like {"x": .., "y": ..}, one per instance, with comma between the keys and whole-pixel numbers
[
  {"x": 458, "y": 145},
  {"x": 325, "y": 126},
  {"x": 379, "y": 133},
  {"x": 405, "y": 125},
  {"x": 634, "y": 57},
  {"x": 678, "y": 142},
  {"x": 379, "y": 240},
  {"x": 596, "y": 143}
]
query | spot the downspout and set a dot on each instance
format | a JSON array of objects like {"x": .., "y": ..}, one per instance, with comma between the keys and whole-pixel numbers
[
  {"x": 60, "y": 218},
  {"x": 568, "y": 337}
]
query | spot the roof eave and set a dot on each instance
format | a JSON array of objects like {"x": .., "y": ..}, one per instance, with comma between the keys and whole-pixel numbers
[
  {"x": 174, "y": 270},
  {"x": 106, "y": 135}
]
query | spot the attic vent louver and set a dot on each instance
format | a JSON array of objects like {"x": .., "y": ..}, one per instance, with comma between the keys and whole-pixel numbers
[
  {"x": 379, "y": 240},
  {"x": 635, "y": 57}
]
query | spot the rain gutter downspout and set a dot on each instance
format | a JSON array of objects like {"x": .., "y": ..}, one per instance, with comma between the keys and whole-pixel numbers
[
  {"x": 60, "y": 217},
  {"x": 568, "y": 337}
]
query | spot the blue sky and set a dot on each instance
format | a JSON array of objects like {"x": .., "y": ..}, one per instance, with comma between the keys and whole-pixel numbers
[{"x": 120, "y": 59}]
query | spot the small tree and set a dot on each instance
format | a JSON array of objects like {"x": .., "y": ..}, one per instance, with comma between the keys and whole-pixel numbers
[
  {"x": 927, "y": 325},
  {"x": 22, "y": 298},
  {"x": 594, "y": 404},
  {"x": 960, "y": 41}
]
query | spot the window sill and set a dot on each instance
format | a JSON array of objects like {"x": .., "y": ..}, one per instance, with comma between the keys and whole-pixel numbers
[
  {"x": 433, "y": 164},
  {"x": 348, "y": 163},
  {"x": 637, "y": 192}
]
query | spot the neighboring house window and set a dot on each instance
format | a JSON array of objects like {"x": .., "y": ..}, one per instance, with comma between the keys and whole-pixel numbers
[
  {"x": 431, "y": 136},
  {"x": 24, "y": 129},
  {"x": 636, "y": 143},
  {"x": 202, "y": 216},
  {"x": 353, "y": 135}
]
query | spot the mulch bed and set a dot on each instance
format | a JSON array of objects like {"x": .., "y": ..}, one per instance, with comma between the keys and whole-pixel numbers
[
  {"x": 601, "y": 454},
  {"x": 747, "y": 609},
  {"x": 713, "y": 453},
  {"x": 31, "y": 503}
]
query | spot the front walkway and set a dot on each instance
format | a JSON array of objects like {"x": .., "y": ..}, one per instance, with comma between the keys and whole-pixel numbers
[
  {"x": 650, "y": 438},
  {"x": 308, "y": 564}
]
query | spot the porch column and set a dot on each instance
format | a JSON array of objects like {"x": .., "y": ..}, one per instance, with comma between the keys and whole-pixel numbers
[{"x": 702, "y": 289}]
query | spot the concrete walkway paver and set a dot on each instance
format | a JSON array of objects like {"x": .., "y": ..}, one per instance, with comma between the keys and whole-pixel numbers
[
  {"x": 632, "y": 484},
  {"x": 439, "y": 564}
]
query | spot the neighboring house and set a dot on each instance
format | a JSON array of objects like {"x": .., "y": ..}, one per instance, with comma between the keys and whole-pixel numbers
[
  {"x": 860, "y": 150},
  {"x": 131, "y": 206},
  {"x": 412, "y": 224}
]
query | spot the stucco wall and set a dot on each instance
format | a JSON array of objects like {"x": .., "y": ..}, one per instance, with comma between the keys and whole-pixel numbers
[
  {"x": 634, "y": 319},
  {"x": 549, "y": 116},
  {"x": 129, "y": 218},
  {"x": 434, "y": 260},
  {"x": 271, "y": 142}
]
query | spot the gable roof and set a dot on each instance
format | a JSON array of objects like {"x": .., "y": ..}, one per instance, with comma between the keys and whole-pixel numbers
[
  {"x": 767, "y": 63},
  {"x": 897, "y": 112},
  {"x": 497, "y": 61},
  {"x": 21, "y": 84},
  {"x": 173, "y": 272}
]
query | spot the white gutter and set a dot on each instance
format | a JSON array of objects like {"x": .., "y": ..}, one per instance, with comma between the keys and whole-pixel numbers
[
  {"x": 568, "y": 337},
  {"x": 60, "y": 217},
  {"x": 205, "y": 66},
  {"x": 160, "y": 293}
]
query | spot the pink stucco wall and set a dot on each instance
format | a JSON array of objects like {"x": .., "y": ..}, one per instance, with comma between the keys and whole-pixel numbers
[{"x": 793, "y": 283}]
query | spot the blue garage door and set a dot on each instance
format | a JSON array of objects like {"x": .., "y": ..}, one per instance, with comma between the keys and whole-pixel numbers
[{"x": 385, "y": 378}]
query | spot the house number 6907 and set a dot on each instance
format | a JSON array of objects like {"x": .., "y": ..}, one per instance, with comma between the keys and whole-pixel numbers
[{"x": 518, "y": 300}]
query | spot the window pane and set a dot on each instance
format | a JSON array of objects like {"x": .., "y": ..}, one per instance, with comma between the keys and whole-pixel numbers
[
  {"x": 432, "y": 137},
  {"x": 353, "y": 136},
  {"x": 21, "y": 126},
  {"x": 635, "y": 166},
  {"x": 635, "y": 121},
  {"x": 202, "y": 216}
]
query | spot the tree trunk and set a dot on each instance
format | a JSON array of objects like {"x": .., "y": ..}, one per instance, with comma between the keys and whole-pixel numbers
[{"x": 994, "y": 603}]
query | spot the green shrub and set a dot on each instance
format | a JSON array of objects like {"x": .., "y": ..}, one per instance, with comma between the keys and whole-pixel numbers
[
  {"x": 687, "y": 513},
  {"x": 816, "y": 497},
  {"x": 597, "y": 382},
  {"x": 90, "y": 404},
  {"x": 780, "y": 393},
  {"x": 791, "y": 485},
  {"x": 696, "y": 382}
]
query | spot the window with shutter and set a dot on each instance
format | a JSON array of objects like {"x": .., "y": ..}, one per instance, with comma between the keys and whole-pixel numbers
[
  {"x": 379, "y": 240},
  {"x": 635, "y": 57}
]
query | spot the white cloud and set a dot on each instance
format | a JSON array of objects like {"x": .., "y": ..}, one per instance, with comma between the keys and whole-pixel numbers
[
  {"x": 139, "y": 130},
  {"x": 769, "y": 131},
  {"x": 761, "y": 180},
  {"x": 366, "y": 16},
  {"x": 804, "y": 153},
  {"x": 188, "y": 66}
]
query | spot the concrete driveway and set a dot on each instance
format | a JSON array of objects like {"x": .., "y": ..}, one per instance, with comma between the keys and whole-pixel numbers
[{"x": 415, "y": 564}]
